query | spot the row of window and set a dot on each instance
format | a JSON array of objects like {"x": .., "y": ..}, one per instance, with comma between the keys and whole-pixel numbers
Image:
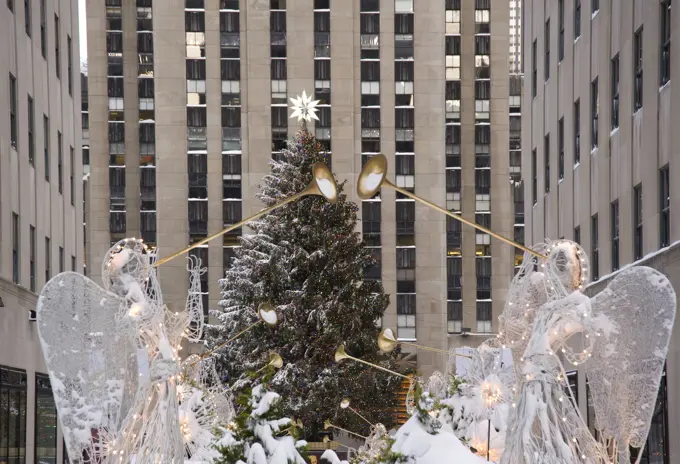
[
  {"x": 16, "y": 255},
  {"x": 664, "y": 55},
  {"x": 13, "y": 410},
  {"x": 147, "y": 127}
]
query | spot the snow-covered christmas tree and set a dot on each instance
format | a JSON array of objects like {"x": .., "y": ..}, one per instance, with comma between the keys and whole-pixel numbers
[{"x": 307, "y": 260}]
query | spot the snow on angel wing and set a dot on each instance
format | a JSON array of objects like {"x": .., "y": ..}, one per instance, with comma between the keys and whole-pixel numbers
[
  {"x": 624, "y": 373},
  {"x": 91, "y": 359}
]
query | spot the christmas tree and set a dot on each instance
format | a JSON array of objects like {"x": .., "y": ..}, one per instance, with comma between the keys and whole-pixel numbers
[{"x": 307, "y": 260}]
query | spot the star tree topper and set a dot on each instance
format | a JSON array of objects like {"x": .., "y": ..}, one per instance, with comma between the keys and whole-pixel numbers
[{"x": 304, "y": 108}]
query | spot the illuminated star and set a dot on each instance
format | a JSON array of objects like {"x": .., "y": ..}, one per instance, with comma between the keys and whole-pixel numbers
[{"x": 304, "y": 108}]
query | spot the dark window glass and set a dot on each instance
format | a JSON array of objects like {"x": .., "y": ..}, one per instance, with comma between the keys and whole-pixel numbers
[
  {"x": 594, "y": 113},
  {"x": 577, "y": 18},
  {"x": 194, "y": 21},
  {"x": 369, "y": 23},
  {"x": 665, "y": 56},
  {"x": 595, "y": 245},
  {"x": 370, "y": 70},
  {"x": 45, "y": 420},
  {"x": 637, "y": 70},
  {"x": 615, "y": 91},
  {"x": 637, "y": 222},
  {"x": 560, "y": 141},
  {"x": 664, "y": 207}
]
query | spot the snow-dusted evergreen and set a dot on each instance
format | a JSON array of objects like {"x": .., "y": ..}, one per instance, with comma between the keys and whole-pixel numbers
[
  {"x": 259, "y": 435},
  {"x": 307, "y": 260}
]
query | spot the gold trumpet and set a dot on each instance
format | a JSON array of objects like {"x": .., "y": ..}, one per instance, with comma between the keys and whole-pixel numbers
[
  {"x": 387, "y": 343},
  {"x": 296, "y": 423},
  {"x": 267, "y": 315},
  {"x": 340, "y": 354},
  {"x": 373, "y": 176},
  {"x": 323, "y": 184},
  {"x": 327, "y": 425},
  {"x": 345, "y": 404},
  {"x": 275, "y": 361}
]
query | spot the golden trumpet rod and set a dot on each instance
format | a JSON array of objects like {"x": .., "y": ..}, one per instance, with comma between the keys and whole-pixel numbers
[
  {"x": 357, "y": 413},
  {"x": 422, "y": 347},
  {"x": 229, "y": 229},
  {"x": 378, "y": 367},
  {"x": 348, "y": 431},
  {"x": 463, "y": 220},
  {"x": 221, "y": 345}
]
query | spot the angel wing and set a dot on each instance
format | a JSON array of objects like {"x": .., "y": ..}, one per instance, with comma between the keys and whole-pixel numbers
[
  {"x": 194, "y": 301},
  {"x": 91, "y": 359},
  {"x": 626, "y": 367}
]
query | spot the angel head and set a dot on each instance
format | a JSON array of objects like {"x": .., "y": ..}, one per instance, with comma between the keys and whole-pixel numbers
[
  {"x": 126, "y": 262},
  {"x": 568, "y": 262}
]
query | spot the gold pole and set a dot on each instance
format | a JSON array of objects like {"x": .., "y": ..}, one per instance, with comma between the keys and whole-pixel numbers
[
  {"x": 229, "y": 229},
  {"x": 327, "y": 425},
  {"x": 422, "y": 347},
  {"x": 340, "y": 354},
  {"x": 208, "y": 353},
  {"x": 357, "y": 413},
  {"x": 463, "y": 220}
]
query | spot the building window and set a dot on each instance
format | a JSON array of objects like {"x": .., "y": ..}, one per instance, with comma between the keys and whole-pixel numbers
[
  {"x": 534, "y": 178},
  {"x": 45, "y": 421},
  {"x": 615, "y": 234},
  {"x": 10, "y": 5},
  {"x": 483, "y": 274},
  {"x": 637, "y": 222},
  {"x": 13, "y": 394},
  {"x": 13, "y": 111},
  {"x": 60, "y": 163},
  {"x": 27, "y": 17},
  {"x": 484, "y": 317},
  {"x": 73, "y": 263},
  {"x": 637, "y": 69},
  {"x": 405, "y": 212},
  {"x": 615, "y": 91},
  {"x": 595, "y": 4},
  {"x": 664, "y": 207},
  {"x": 534, "y": 68},
  {"x": 594, "y": 113},
  {"x": 577, "y": 19},
  {"x": 32, "y": 258},
  {"x": 61, "y": 259},
  {"x": 406, "y": 270},
  {"x": 453, "y": 236},
  {"x": 43, "y": 29},
  {"x": 547, "y": 49},
  {"x": 406, "y": 317},
  {"x": 373, "y": 270},
  {"x": 577, "y": 234},
  {"x": 31, "y": 132},
  {"x": 48, "y": 259},
  {"x": 657, "y": 448},
  {"x": 57, "y": 53},
  {"x": 370, "y": 222},
  {"x": 69, "y": 69},
  {"x": 560, "y": 45},
  {"x": 560, "y": 142},
  {"x": 454, "y": 278},
  {"x": 454, "y": 316},
  {"x": 577, "y": 131},
  {"x": 595, "y": 245},
  {"x": 46, "y": 142},
  {"x": 546, "y": 162},
  {"x": 665, "y": 56},
  {"x": 15, "y": 248},
  {"x": 72, "y": 179}
]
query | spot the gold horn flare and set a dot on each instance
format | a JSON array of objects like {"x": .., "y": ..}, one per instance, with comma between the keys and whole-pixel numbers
[
  {"x": 373, "y": 176},
  {"x": 340, "y": 355},
  {"x": 387, "y": 343},
  {"x": 323, "y": 184},
  {"x": 345, "y": 404}
]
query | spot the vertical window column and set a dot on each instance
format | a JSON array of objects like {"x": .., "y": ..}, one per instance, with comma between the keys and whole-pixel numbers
[
  {"x": 614, "y": 221},
  {"x": 369, "y": 19},
  {"x": 517, "y": 182},
  {"x": 637, "y": 222},
  {"x": 114, "y": 48},
  {"x": 279, "y": 68},
  {"x": 13, "y": 394},
  {"x": 230, "y": 71},
  {"x": 147, "y": 125},
  {"x": 322, "y": 74},
  {"x": 404, "y": 121},
  {"x": 595, "y": 245},
  {"x": 664, "y": 207}
]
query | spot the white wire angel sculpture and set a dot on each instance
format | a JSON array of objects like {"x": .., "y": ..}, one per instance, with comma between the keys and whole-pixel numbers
[
  {"x": 120, "y": 388},
  {"x": 621, "y": 335}
]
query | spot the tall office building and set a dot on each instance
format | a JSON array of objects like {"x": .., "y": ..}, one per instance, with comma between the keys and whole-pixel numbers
[
  {"x": 598, "y": 152},
  {"x": 41, "y": 210},
  {"x": 188, "y": 101}
]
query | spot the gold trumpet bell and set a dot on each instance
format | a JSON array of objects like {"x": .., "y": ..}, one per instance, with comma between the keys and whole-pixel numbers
[
  {"x": 386, "y": 341},
  {"x": 372, "y": 176},
  {"x": 268, "y": 314},
  {"x": 344, "y": 404},
  {"x": 323, "y": 183},
  {"x": 340, "y": 354},
  {"x": 327, "y": 424},
  {"x": 275, "y": 360}
]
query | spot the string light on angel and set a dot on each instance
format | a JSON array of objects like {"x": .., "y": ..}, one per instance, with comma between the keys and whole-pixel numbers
[{"x": 621, "y": 335}]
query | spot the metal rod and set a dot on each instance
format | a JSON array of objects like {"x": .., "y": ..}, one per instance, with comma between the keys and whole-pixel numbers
[
  {"x": 208, "y": 353},
  {"x": 357, "y": 413},
  {"x": 229, "y": 229},
  {"x": 347, "y": 431},
  {"x": 463, "y": 220},
  {"x": 421, "y": 347},
  {"x": 378, "y": 367}
]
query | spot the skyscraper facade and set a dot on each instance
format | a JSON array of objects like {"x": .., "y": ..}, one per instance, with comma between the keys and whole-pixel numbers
[
  {"x": 598, "y": 153},
  {"x": 188, "y": 102},
  {"x": 41, "y": 210}
]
